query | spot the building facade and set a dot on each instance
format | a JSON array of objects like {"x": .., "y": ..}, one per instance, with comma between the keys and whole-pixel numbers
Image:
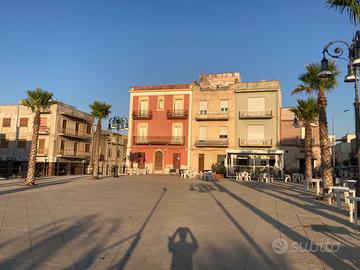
[
  {"x": 159, "y": 126},
  {"x": 292, "y": 142},
  {"x": 112, "y": 145},
  {"x": 257, "y": 128},
  {"x": 212, "y": 119},
  {"x": 342, "y": 150},
  {"x": 64, "y": 140}
]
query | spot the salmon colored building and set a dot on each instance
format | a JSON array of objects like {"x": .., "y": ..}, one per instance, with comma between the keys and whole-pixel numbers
[{"x": 159, "y": 127}]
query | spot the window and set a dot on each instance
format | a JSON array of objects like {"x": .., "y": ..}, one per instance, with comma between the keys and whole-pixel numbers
[
  {"x": 43, "y": 122},
  {"x": 88, "y": 129},
  {"x": 118, "y": 153},
  {"x": 202, "y": 133},
  {"x": 203, "y": 107},
  {"x": 75, "y": 147},
  {"x": 6, "y": 122},
  {"x": 24, "y": 122},
  {"x": 142, "y": 133},
  {"x": 224, "y": 105},
  {"x": 62, "y": 147},
  {"x": 21, "y": 144},
  {"x": 256, "y": 132},
  {"x": 87, "y": 148},
  {"x": 177, "y": 133},
  {"x": 144, "y": 107},
  {"x": 256, "y": 104},
  {"x": 109, "y": 152},
  {"x": 64, "y": 124},
  {"x": 178, "y": 105},
  {"x": 4, "y": 143},
  {"x": 160, "y": 104},
  {"x": 41, "y": 146},
  {"x": 223, "y": 133}
]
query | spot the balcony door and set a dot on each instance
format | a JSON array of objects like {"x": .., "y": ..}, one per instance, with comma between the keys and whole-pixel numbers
[
  {"x": 177, "y": 134},
  {"x": 144, "y": 108},
  {"x": 202, "y": 133},
  {"x": 142, "y": 133},
  {"x": 158, "y": 161},
  {"x": 176, "y": 161},
  {"x": 256, "y": 134},
  {"x": 256, "y": 104},
  {"x": 201, "y": 162},
  {"x": 178, "y": 106}
]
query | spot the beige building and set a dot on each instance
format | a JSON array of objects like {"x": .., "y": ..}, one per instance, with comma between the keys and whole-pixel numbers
[
  {"x": 212, "y": 119},
  {"x": 112, "y": 144},
  {"x": 292, "y": 142},
  {"x": 64, "y": 140},
  {"x": 257, "y": 128}
]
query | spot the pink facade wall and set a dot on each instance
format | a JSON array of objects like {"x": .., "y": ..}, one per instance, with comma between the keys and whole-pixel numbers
[{"x": 160, "y": 125}]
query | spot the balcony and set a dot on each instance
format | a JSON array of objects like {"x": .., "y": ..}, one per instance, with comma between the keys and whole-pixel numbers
[
  {"x": 74, "y": 133},
  {"x": 73, "y": 153},
  {"x": 255, "y": 142},
  {"x": 159, "y": 140},
  {"x": 177, "y": 114},
  {"x": 255, "y": 115},
  {"x": 211, "y": 143},
  {"x": 41, "y": 152},
  {"x": 43, "y": 130},
  {"x": 219, "y": 116},
  {"x": 143, "y": 114}
]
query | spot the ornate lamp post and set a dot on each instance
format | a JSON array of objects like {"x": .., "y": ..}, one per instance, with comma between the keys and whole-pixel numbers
[
  {"x": 118, "y": 123},
  {"x": 353, "y": 60}
]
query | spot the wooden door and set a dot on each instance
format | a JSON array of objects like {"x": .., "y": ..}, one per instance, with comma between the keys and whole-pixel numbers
[
  {"x": 176, "y": 161},
  {"x": 201, "y": 162},
  {"x": 158, "y": 160}
]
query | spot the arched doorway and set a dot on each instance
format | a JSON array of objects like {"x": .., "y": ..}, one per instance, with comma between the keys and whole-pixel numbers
[{"x": 158, "y": 160}]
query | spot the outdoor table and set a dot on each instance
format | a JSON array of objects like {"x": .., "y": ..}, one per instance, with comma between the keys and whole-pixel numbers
[
  {"x": 353, "y": 209},
  {"x": 313, "y": 180},
  {"x": 347, "y": 181},
  {"x": 339, "y": 190}
]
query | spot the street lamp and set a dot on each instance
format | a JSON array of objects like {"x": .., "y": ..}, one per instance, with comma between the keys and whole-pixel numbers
[
  {"x": 118, "y": 123},
  {"x": 353, "y": 60},
  {"x": 333, "y": 133}
]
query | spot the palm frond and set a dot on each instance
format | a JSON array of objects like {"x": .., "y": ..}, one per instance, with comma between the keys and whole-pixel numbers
[
  {"x": 352, "y": 7},
  {"x": 38, "y": 99},
  {"x": 100, "y": 110}
]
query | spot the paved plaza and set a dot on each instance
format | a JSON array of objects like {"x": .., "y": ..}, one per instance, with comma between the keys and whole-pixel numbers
[{"x": 164, "y": 222}]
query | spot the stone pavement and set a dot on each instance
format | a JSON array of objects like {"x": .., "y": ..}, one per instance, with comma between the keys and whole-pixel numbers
[{"x": 164, "y": 222}]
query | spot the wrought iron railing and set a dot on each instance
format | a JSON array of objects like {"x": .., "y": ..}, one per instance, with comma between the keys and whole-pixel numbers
[
  {"x": 159, "y": 140},
  {"x": 211, "y": 143},
  {"x": 177, "y": 114},
  {"x": 142, "y": 114},
  {"x": 212, "y": 116}
]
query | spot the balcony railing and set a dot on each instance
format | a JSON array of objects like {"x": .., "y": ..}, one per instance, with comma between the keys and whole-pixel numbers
[
  {"x": 44, "y": 130},
  {"x": 218, "y": 116},
  {"x": 70, "y": 132},
  {"x": 159, "y": 140},
  {"x": 42, "y": 152},
  {"x": 142, "y": 114},
  {"x": 255, "y": 114},
  {"x": 73, "y": 153},
  {"x": 177, "y": 114},
  {"x": 211, "y": 143},
  {"x": 255, "y": 142}
]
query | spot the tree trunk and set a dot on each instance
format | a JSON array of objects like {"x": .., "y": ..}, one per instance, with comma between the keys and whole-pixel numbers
[
  {"x": 308, "y": 151},
  {"x": 324, "y": 142},
  {"x": 97, "y": 150},
  {"x": 30, "y": 178}
]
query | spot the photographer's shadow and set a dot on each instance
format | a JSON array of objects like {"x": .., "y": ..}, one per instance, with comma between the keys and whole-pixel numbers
[{"x": 182, "y": 250}]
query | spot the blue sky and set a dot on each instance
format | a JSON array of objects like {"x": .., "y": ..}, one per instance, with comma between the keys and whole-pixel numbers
[{"x": 95, "y": 50}]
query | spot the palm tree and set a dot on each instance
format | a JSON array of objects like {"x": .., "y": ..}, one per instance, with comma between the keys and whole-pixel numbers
[
  {"x": 312, "y": 84},
  {"x": 38, "y": 100},
  {"x": 307, "y": 111},
  {"x": 100, "y": 110},
  {"x": 352, "y": 7}
]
